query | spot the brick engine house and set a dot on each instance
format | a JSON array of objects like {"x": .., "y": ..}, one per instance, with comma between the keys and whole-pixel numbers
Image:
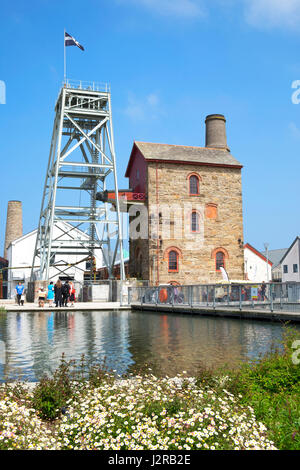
[{"x": 187, "y": 222}]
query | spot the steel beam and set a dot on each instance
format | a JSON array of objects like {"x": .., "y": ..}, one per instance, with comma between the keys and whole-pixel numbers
[{"x": 83, "y": 115}]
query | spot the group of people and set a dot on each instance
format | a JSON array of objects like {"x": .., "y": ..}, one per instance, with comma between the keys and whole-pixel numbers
[{"x": 61, "y": 293}]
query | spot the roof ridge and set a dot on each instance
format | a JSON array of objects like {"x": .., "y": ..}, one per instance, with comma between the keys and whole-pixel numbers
[{"x": 180, "y": 145}]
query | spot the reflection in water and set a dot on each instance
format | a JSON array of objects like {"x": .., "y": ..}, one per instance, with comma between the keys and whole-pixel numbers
[{"x": 130, "y": 341}]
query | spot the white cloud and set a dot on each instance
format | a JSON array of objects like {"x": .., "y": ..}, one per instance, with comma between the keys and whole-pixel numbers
[
  {"x": 273, "y": 13},
  {"x": 295, "y": 131},
  {"x": 143, "y": 108},
  {"x": 264, "y": 14},
  {"x": 153, "y": 100},
  {"x": 179, "y": 8}
]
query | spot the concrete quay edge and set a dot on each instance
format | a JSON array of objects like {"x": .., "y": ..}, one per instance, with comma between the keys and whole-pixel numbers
[
  {"x": 79, "y": 306},
  {"x": 233, "y": 312}
]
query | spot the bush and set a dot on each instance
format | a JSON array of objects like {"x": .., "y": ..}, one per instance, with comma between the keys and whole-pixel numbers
[{"x": 51, "y": 394}]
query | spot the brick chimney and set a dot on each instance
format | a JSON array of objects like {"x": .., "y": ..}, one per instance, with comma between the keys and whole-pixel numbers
[
  {"x": 14, "y": 223},
  {"x": 216, "y": 132}
]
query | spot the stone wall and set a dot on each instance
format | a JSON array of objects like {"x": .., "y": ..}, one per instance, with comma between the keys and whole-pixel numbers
[{"x": 221, "y": 223}]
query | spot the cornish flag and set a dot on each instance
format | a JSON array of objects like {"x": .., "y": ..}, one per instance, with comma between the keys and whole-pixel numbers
[{"x": 70, "y": 41}]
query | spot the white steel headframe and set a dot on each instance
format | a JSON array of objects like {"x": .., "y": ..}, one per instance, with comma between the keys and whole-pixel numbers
[{"x": 81, "y": 158}]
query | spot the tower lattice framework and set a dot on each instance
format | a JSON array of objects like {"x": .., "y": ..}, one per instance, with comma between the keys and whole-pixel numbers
[{"x": 81, "y": 163}]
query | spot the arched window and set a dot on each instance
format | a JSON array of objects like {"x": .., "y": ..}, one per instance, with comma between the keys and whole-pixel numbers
[
  {"x": 195, "y": 222},
  {"x": 220, "y": 260},
  {"x": 173, "y": 261},
  {"x": 194, "y": 185}
]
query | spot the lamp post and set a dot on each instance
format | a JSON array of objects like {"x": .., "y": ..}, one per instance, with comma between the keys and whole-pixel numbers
[{"x": 267, "y": 256}]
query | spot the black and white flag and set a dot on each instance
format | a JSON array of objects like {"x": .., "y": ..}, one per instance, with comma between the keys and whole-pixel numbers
[{"x": 70, "y": 41}]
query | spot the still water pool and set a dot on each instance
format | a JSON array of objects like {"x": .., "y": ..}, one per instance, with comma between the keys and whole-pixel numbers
[{"x": 130, "y": 341}]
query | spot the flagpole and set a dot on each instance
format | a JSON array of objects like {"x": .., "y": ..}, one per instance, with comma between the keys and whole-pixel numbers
[{"x": 65, "y": 64}]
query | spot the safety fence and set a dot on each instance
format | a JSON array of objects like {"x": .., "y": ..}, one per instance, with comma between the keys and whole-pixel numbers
[
  {"x": 272, "y": 296},
  {"x": 85, "y": 291}
]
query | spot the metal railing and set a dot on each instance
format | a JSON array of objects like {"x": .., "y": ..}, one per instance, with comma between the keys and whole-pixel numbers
[
  {"x": 271, "y": 297},
  {"x": 30, "y": 296},
  {"x": 86, "y": 85}
]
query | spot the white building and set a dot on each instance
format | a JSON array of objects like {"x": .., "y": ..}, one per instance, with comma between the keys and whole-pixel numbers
[
  {"x": 290, "y": 263},
  {"x": 275, "y": 256},
  {"x": 257, "y": 267},
  {"x": 20, "y": 255}
]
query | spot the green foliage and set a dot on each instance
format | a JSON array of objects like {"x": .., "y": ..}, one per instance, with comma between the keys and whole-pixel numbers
[
  {"x": 171, "y": 407},
  {"x": 47, "y": 399},
  {"x": 51, "y": 394},
  {"x": 271, "y": 386},
  {"x": 98, "y": 373}
]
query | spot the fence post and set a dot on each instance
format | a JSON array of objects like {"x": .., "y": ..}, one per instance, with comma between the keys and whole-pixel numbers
[
  {"x": 214, "y": 297},
  {"x": 121, "y": 293},
  {"x": 190, "y": 295},
  {"x": 129, "y": 295},
  {"x": 228, "y": 300},
  {"x": 240, "y": 296},
  {"x": 207, "y": 291},
  {"x": 280, "y": 296},
  {"x": 271, "y": 297}
]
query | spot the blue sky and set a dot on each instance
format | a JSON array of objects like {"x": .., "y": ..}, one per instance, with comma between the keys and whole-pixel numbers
[{"x": 169, "y": 63}]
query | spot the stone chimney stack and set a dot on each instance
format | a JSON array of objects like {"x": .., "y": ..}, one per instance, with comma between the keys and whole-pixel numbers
[
  {"x": 216, "y": 132},
  {"x": 14, "y": 223}
]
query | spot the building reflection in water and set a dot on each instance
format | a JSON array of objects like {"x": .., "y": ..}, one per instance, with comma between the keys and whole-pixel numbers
[{"x": 130, "y": 341}]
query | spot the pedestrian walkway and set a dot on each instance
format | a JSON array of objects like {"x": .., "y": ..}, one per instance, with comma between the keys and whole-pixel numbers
[{"x": 11, "y": 306}]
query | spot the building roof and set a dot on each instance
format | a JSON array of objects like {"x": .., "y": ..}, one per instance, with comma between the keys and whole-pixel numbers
[
  {"x": 258, "y": 253},
  {"x": 182, "y": 153},
  {"x": 275, "y": 255},
  {"x": 297, "y": 239},
  {"x": 34, "y": 232},
  {"x": 152, "y": 151}
]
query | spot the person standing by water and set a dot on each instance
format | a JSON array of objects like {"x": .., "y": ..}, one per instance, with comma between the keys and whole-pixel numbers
[
  {"x": 19, "y": 290},
  {"x": 263, "y": 291},
  {"x": 50, "y": 295},
  {"x": 65, "y": 293},
  {"x": 72, "y": 293},
  {"x": 42, "y": 296},
  {"x": 58, "y": 293}
]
